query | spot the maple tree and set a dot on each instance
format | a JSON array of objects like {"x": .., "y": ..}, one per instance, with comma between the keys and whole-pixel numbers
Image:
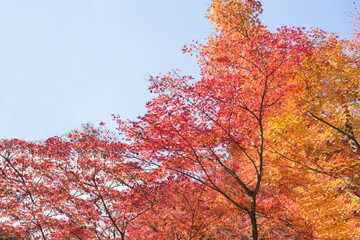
[
  {"x": 265, "y": 145},
  {"x": 213, "y": 130},
  {"x": 78, "y": 186},
  {"x": 319, "y": 136}
]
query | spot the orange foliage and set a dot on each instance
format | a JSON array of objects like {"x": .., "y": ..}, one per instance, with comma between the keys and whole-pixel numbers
[{"x": 264, "y": 146}]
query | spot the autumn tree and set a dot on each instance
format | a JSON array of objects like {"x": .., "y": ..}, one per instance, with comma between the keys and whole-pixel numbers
[
  {"x": 315, "y": 138},
  {"x": 213, "y": 130},
  {"x": 79, "y": 186},
  {"x": 265, "y": 145}
]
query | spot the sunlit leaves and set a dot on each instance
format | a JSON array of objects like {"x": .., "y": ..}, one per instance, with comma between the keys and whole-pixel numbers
[{"x": 265, "y": 145}]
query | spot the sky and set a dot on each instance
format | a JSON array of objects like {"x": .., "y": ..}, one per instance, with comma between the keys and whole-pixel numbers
[{"x": 68, "y": 62}]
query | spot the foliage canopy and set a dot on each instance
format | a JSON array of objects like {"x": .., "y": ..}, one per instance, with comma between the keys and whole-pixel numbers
[{"x": 264, "y": 146}]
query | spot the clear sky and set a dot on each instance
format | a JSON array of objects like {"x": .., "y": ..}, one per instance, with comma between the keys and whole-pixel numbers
[{"x": 67, "y": 62}]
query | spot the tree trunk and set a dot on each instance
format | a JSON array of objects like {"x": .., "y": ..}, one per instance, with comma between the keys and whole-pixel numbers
[{"x": 252, "y": 214}]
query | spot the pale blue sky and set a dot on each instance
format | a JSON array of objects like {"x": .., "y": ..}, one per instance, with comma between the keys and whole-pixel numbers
[{"x": 63, "y": 63}]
